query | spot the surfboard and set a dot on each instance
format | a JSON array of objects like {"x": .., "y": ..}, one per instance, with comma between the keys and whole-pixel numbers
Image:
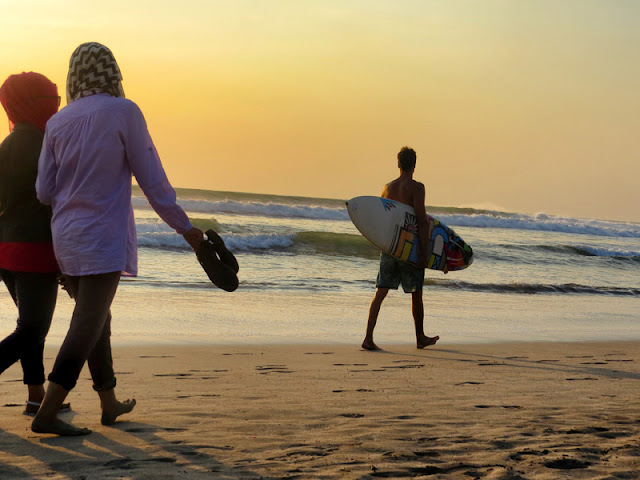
[{"x": 392, "y": 227}]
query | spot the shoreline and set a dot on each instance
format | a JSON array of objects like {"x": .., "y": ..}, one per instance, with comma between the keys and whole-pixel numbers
[
  {"x": 161, "y": 316},
  {"x": 514, "y": 410},
  {"x": 133, "y": 341}
]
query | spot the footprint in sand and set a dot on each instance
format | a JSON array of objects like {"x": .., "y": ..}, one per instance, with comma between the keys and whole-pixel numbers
[
  {"x": 153, "y": 429},
  {"x": 126, "y": 463},
  {"x": 202, "y": 395},
  {"x": 566, "y": 464},
  {"x": 361, "y": 390},
  {"x": 266, "y": 369},
  {"x": 510, "y": 407},
  {"x": 406, "y": 366},
  {"x": 208, "y": 371}
]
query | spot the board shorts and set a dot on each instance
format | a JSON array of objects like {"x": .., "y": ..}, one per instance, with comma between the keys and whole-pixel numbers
[{"x": 393, "y": 272}]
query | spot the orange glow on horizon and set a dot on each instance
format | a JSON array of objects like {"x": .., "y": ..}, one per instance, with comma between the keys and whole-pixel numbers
[{"x": 530, "y": 106}]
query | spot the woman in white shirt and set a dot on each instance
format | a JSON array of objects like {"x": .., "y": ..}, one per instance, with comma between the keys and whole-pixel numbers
[{"x": 91, "y": 149}]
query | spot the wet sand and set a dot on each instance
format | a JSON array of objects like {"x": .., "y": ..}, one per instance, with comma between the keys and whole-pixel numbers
[{"x": 505, "y": 411}]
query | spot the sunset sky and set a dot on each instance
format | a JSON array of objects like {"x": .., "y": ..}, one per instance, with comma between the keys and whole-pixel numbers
[{"x": 528, "y": 106}]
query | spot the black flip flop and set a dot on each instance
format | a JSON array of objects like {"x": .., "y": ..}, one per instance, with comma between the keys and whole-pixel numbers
[
  {"x": 221, "y": 249},
  {"x": 221, "y": 275}
]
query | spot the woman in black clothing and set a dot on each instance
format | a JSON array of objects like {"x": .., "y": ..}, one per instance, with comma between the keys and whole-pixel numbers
[{"x": 27, "y": 264}]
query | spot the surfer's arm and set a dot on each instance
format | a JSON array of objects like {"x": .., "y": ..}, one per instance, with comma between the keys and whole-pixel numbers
[{"x": 419, "y": 197}]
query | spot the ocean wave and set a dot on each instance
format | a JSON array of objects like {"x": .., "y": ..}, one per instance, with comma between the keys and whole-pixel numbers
[
  {"x": 544, "y": 223},
  {"x": 572, "y": 250},
  {"x": 454, "y": 217},
  {"x": 309, "y": 243},
  {"x": 153, "y": 233},
  {"x": 536, "y": 288},
  {"x": 432, "y": 283},
  {"x": 342, "y": 244},
  {"x": 256, "y": 208}
]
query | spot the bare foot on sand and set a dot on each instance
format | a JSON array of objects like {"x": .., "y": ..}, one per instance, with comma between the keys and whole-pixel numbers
[
  {"x": 58, "y": 427},
  {"x": 427, "y": 341},
  {"x": 369, "y": 345},
  {"x": 109, "y": 415}
]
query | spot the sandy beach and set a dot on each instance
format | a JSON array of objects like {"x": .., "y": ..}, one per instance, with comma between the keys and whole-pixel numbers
[{"x": 505, "y": 411}]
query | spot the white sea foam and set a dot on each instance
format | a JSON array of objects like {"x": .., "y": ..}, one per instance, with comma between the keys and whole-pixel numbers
[
  {"x": 161, "y": 236},
  {"x": 544, "y": 223},
  {"x": 540, "y": 222},
  {"x": 256, "y": 208},
  {"x": 257, "y": 242},
  {"x": 610, "y": 252}
]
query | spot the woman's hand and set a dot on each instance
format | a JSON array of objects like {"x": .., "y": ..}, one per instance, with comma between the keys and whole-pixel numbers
[{"x": 194, "y": 237}]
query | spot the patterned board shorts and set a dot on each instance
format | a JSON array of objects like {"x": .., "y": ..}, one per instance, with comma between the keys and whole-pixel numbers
[{"x": 393, "y": 272}]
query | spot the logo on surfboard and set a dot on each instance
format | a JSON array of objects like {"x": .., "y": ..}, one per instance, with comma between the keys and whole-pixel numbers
[
  {"x": 405, "y": 243},
  {"x": 388, "y": 204}
]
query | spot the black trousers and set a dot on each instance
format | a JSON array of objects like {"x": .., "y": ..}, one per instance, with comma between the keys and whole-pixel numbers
[
  {"x": 35, "y": 296},
  {"x": 89, "y": 337}
]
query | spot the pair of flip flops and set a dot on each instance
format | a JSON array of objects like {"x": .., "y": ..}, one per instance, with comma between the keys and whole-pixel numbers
[{"x": 218, "y": 262}]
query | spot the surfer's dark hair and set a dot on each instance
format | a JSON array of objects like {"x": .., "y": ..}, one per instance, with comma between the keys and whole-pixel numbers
[{"x": 407, "y": 158}]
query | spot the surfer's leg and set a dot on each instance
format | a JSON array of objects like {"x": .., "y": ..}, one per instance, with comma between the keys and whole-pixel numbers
[
  {"x": 374, "y": 310},
  {"x": 417, "y": 308}
]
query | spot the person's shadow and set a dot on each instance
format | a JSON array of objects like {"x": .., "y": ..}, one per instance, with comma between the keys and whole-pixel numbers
[
  {"x": 98, "y": 456},
  {"x": 590, "y": 366}
]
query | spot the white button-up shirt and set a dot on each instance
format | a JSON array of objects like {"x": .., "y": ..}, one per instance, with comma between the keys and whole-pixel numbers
[{"x": 91, "y": 149}]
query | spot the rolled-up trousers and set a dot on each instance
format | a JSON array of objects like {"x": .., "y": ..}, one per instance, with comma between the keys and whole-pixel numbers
[{"x": 89, "y": 336}]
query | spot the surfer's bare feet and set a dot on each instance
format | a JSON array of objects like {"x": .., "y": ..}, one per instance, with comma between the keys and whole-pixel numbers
[
  {"x": 369, "y": 345},
  {"x": 57, "y": 427},
  {"x": 110, "y": 414},
  {"x": 427, "y": 341}
]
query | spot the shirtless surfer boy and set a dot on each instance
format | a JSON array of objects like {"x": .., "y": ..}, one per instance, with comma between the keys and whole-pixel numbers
[{"x": 392, "y": 272}]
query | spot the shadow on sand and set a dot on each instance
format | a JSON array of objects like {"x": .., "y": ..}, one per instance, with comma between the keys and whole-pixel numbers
[{"x": 146, "y": 455}]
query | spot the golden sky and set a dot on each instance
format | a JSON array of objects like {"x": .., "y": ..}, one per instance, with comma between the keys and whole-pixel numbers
[{"x": 528, "y": 105}]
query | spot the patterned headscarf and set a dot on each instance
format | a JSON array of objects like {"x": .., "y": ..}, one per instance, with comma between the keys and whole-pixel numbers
[
  {"x": 29, "y": 97},
  {"x": 93, "y": 69}
]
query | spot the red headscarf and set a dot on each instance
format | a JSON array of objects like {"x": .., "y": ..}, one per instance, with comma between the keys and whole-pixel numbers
[{"x": 29, "y": 98}]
